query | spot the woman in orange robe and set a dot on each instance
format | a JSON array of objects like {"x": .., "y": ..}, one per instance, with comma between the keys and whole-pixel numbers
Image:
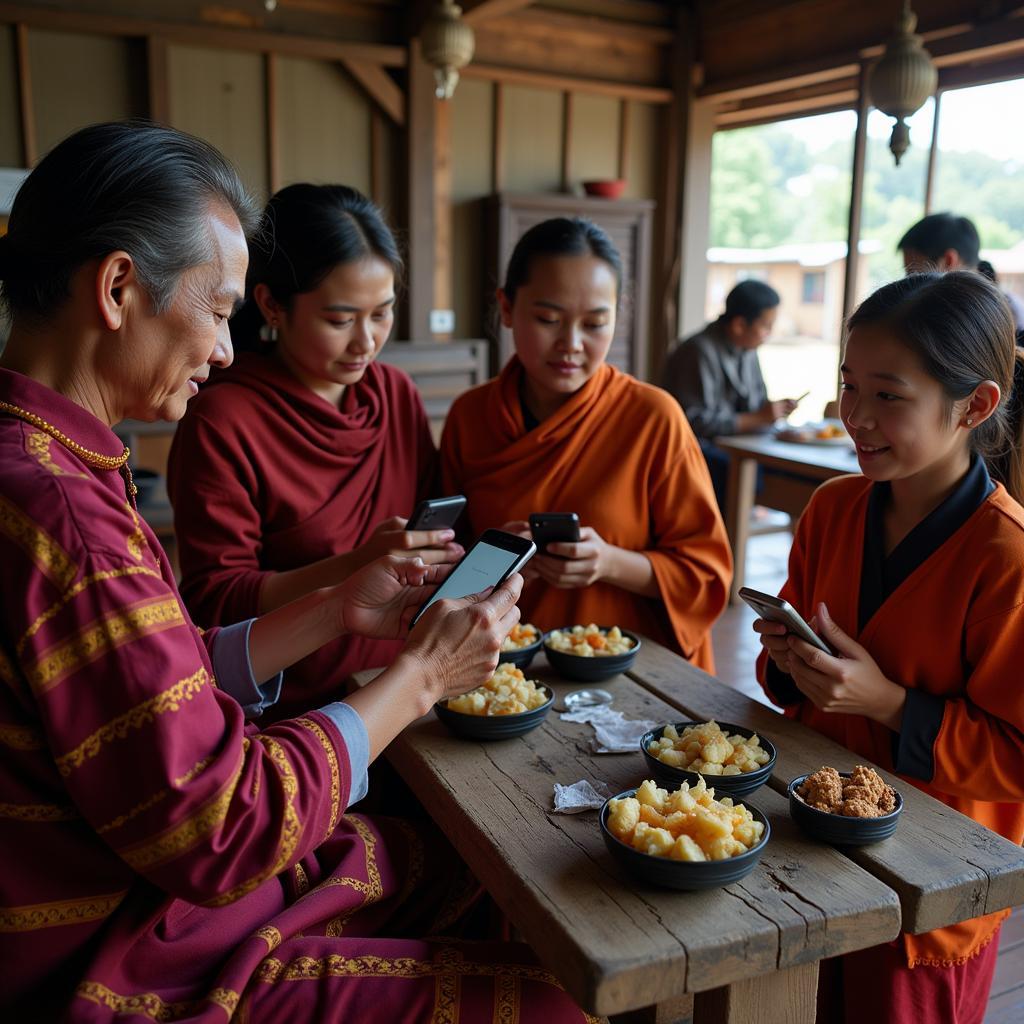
[
  {"x": 914, "y": 573},
  {"x": 562, "y": 431}
]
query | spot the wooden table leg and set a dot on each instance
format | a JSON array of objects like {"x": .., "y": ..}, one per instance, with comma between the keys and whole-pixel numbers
[
  {"x": 674, "y": 1011},
  {"x": 740, "y": 503},
  {"x": 783, "y": 997}
]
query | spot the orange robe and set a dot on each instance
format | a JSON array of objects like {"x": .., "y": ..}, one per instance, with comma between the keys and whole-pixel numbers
[
  {"x": 952, "y": 629},
  {"x": 621, "y": 455}
]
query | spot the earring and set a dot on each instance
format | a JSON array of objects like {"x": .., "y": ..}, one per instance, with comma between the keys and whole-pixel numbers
[
  {"x": 268, "y": 332},
  {"x": 969, "y": 421}
]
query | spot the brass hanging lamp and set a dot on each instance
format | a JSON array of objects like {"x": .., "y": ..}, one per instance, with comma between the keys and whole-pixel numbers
[
  {"x": 447, "y": 43},
  {"x": 903, "y": 79}
]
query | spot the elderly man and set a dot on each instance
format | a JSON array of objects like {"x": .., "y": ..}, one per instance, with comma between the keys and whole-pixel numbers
[{"x": 162, "y": 859}]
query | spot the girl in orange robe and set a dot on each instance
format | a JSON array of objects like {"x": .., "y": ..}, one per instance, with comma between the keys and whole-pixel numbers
[
  {"x": 562, "y": 431},
  {"x": 914, "y": 573}
]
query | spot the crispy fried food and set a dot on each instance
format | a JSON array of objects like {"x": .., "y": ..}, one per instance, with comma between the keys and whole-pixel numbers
[
  {"x": 589, "y": 641},
  {"x": 507, "y": 692},
  {"x": 823, "y": 790},
  {"x": 707, "y": 749},
  {"x": 523, "y": 635},
  {"x": 864, "y": 794}
]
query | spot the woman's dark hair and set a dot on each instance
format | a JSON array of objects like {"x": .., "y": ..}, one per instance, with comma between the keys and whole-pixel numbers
[
  {"x": 749, "y": 299},
  {"x": 987, "y": 271},
  {"x": 960, "y": 327},
  {"x": 935, "y": 234},
  {"x": 129, "y": 185},
  {"x": 560, "y": 236},
  {"x": 305, "y": 232}
]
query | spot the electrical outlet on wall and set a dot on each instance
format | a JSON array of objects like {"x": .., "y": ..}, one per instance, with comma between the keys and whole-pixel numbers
[{"x": 442, "y": 321}]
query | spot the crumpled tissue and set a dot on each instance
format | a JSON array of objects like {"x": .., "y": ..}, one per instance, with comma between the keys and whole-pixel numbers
[
  {"x": 580, "y": 796},
  {"x": 613, "y": 732}
]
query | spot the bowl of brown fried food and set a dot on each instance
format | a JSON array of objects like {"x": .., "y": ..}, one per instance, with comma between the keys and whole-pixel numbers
[{"x": 845, "y": 808}]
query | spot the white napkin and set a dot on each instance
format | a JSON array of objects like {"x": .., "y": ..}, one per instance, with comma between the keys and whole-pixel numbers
[
  {"x": 580, "y": 796},
  {"x": 614, "y": 733}
]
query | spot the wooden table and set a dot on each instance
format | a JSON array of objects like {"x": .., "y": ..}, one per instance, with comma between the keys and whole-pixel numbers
[
  {"x": 747, "y": 952},
  {"x": 805, "y": 467}
]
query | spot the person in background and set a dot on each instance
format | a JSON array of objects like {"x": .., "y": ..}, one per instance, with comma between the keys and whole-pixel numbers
[
  {"x": 562, "y": 431},
  {"x": 914, "y": 574},
  {"x": 715, "y": 375},
  {"x": 161, "y": 858},
  {"x": 944, "y": 241},
  {"x": 298, "y": 464}
]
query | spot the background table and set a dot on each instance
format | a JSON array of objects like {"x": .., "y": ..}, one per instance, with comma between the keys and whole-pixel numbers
[
  {"x": 801, "y": 468},
  {"x": 746, "y": 952}
]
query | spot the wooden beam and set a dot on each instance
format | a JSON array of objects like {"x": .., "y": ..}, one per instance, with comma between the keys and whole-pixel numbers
[
  {"x": 379, "y": 86},
  {"x": 442, "y": 254},
  {"x": 498, "y": 139},
  {"x": 566, "y": 140},
  {"x": 860, "y": 146},
  {"x": 272, "y": 122},
  {"x": 774, "y": 111},
  {"x": 420, "y": 181},
  {"x": 812, "y": 73},
  {"x": 603, "y": 28},
  {"x": 29, "y": 145},
  {"x": 980, "y": 73},
  {"x": 933, "y": 149},
  {"x": 203, "y": 35},
  {"x": 624, "y": 139},
  {"x": 475, "y": 11},
  {"x": 157, "y": 79},
  {"x": 564, "y": 83}
]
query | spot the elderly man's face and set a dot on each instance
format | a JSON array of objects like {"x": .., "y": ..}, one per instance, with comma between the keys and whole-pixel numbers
[{"x": 173, "y": 351}]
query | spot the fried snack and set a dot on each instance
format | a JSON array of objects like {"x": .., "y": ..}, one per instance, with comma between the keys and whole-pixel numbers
[
  {"x": 589, "y": 641},
  {"x": 685, "y": 824},
  {"x": 864, "y": 794},
  {"x": 522, "y": 635},
  {"x": 507, "y": 692},
  {"x": 829, "y": 431},
  {"x": 708, "y": 750}
]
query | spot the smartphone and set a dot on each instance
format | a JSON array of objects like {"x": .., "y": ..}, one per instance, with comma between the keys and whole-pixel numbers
[
  {"x": 494, "y": 557},
  {"x": 437, "y": 513},
  {"x": 554, "y": 528},
  {"x": 774, "y": 609}
]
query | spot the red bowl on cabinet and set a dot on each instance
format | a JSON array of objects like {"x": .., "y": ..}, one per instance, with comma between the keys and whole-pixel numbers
[{"x": 610, "y": 189}]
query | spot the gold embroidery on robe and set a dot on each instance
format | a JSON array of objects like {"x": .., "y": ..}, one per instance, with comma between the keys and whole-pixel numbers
[
  {"x": 21, "y": 737},
  {"x": 372, "y": 890},
  {"x": 37, "y": 444},
  {"x": 39, "y": 812},
  {"x": 170, "y": 700},
  {"x": 185, "y": 835},
  {"x": 332, "y": 761},
  {"x": 301, "y": 879},
  {"x": 446, "y": 998},
  {"x": 291, "y": 826},
  {"x": 136, "y": 539},
  {"x": 49, "y": 557},
  {"x": 49, "y": 915},
  {"x": 506, "y": 999},
  {"x": 73, "y": 592},
  {"x": 102, "y": 635},
  {"x": 151, "y": 1006},
  {"x": 270, "y": 935}
]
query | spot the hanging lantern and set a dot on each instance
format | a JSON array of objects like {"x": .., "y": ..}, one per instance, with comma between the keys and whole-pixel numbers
[
  {"x": 902, "y": 79},
  {"x": 447, "y": 43}
]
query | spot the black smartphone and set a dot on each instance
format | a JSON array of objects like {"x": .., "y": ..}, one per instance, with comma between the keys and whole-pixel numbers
[
  {"x": 437, "y": 513},
  {"x": 554, "y": 528},
  {"x": 775, "y": 609},
  {"x": 494, "y": 557}
]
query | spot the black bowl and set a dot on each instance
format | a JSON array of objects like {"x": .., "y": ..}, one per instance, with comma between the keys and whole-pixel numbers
[
  {"x": 723, "y": 785},
  {"x": 837, "y": 828},
  {"x": 595, "y": 669},
  {"x": 683, "y": 874},
  {"x": 522, "y": 656},
  {"x": 494, "y": 727}
]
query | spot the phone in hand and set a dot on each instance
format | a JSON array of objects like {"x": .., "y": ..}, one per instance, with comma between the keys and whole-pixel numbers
[
  {"x": 437, "y": 513},
  {"x": 775, "y": 609},
  {"x": 492, "y": 559},
  {"x": 554, "y": 528}
]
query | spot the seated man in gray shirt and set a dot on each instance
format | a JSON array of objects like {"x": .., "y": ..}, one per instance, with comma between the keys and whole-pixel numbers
[{"x": 716, "y": 377}]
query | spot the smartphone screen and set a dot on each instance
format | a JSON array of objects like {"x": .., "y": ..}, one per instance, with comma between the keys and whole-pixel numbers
[{"x": 484, "y": 565}]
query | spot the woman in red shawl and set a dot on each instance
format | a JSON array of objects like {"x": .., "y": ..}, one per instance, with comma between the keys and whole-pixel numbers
[
  {"x": 298, "y": 464},
  {"x": 160, "y": 858}
]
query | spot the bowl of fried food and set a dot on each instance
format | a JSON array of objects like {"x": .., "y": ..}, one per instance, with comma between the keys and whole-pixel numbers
[
  {"x": 683, "y": 839},
  {"x": 845, "y": 808},
  {"x": 733, "y": 759},
  {"x": 508, "y": 704},
  {"x": 590, "y": 653},
  {"x": 521, "y": 645}
]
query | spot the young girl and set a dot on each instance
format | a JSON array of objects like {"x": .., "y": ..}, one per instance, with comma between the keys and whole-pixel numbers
[
  {"x": 562, "y": 431},
  {"x": 296, "y": 466},
  {"x": 914, "y": 574}
]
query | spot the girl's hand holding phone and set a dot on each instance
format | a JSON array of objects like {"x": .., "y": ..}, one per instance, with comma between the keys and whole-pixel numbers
[
  {"x": 775, "y": 640},
  {"x": 572, "y": 565},
  {"x": 852, "y": 684},
  {"x": 434, "y": 547}
]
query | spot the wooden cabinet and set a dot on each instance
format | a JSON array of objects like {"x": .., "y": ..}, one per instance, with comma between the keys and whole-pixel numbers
[{"x": 628, "y": 223}]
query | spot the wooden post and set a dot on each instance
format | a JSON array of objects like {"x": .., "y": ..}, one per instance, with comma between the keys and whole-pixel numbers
[
  {"x": 498, "y": 141},
  {"x": 929, "y": 183},
  {"x": 420, "y": 135},
  {"x": 788, "y": 996},
  {"x": 442, "y": 260},
  {"x": 29, "y": 146},
  {"x": 566, "y": 139},
  {"x": 273, "y": 139},
  {"x": 860, "y": 145},
  {"x": 378, "y": 168},
  {"x": 624, "y": 138},
  {"x": 156, "y": 78}
]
